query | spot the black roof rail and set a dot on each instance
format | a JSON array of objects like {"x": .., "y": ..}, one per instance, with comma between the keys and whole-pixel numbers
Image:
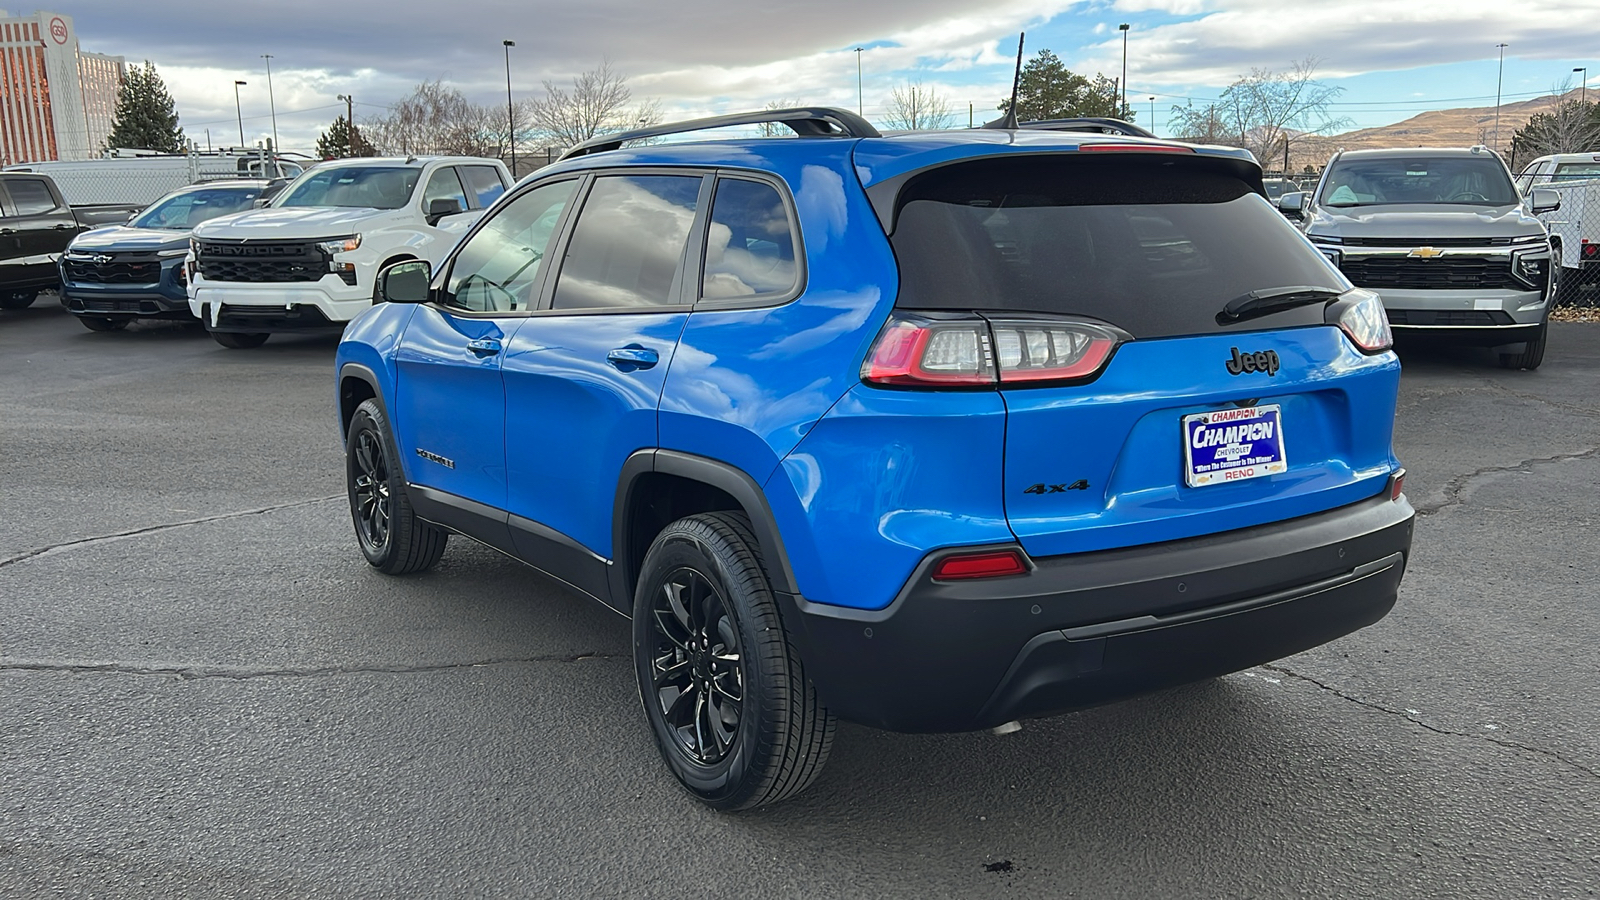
[
  {"x": 1091, "y": 124},
  {"x": 807, "y": 121}
]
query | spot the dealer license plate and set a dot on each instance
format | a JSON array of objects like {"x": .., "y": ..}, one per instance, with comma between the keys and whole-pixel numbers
[{"x": 1233, "y": 445}]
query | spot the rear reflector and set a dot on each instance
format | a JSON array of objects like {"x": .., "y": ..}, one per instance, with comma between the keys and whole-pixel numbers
[
  {"x": 988, "y": 564},
  {"x": 1397, "y": 483}
]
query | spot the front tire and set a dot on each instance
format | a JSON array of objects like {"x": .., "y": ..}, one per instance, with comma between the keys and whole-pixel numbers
[
  {"x": 234, "y": 340},
  {"x": 392, "y": 538},
  {"x": 725, "y": 692},
  {"x": 18, "y": 299},
  {"x": 103, "y": 323}
]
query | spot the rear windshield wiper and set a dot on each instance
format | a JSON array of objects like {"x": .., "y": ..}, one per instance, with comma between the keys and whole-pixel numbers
[{"x": 1260, "y": 303}]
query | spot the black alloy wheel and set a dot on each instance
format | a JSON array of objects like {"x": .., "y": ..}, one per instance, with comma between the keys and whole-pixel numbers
[
  {"x": 392, "y": 538},
  {"x": 725, "y": 692},
  {"x": 694, "y": 668}
]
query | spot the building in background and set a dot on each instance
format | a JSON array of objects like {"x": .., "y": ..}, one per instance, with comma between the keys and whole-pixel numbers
[{"x": 56, "y": 102}]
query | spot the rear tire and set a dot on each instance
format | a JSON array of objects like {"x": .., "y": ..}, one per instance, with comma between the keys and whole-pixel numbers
[
  {"x": 392, "y": 538},
  {"x": 103, "y": 323},
  {"x": 240, "y": 341},
  {"x": 18, "y": 299},
  {"x": 724, "y": 690}
]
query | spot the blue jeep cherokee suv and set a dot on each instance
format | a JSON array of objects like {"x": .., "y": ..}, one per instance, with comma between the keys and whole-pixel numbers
[{"x": 931, "y": 431}]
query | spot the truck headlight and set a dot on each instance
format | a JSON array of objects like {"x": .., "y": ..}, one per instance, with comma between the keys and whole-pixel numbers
[
  {"x": 1531, "y": 267},
  {"x": 341, "y": 245}
]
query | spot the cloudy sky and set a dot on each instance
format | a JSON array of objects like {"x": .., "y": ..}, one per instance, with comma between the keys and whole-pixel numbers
[{"x": 702, "y": 57}]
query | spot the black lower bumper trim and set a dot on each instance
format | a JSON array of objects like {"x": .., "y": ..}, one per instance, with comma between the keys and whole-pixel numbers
[
  {"x": 1092, "y": 628},
  {"x": 299, "y": 319}
]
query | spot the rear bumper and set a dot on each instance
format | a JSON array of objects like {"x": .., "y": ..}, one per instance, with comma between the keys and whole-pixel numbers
[{"x": 1091, "y": 628}]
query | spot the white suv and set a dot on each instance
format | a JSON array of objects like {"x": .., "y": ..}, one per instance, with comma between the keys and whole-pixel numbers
[{"x": 307, "y": 262}]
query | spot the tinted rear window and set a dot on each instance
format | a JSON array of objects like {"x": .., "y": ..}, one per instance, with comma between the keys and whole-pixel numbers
[{"x": 1154, "y": 248}]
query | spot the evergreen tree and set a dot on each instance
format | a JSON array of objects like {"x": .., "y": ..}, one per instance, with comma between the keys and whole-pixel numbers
[
  {"x": 1049, "y": 90},
  {"x": 145, "y": 117},
  {"x": 343, "y": 139}
]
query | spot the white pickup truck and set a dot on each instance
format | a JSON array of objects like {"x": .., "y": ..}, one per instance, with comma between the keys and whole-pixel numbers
[
  {"x": 1575, "y": 227},
  {"x": 307, "y": 262}
]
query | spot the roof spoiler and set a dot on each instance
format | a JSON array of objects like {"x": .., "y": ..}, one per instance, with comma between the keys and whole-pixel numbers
[{"x": 806, "y": 121}]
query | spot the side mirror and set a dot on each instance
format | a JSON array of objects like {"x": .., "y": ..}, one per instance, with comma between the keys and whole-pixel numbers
[
  {"x": 1543, "y": 200},
  {"x": 1293, "y": 202},
  {"x": 405, "y": 282},
  {"x": 440, "y": 207},
  {"x": 260, "y": 203}
]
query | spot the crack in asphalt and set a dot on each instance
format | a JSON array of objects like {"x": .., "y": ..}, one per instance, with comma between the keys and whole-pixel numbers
[
  {"x": 152, "y": 529},
  {"x": 1454, "y": 489},
  {"x": 1534, "y": 398},
  {"x": 237, "y": 673},
  {"x": 1402, "y": 714}
]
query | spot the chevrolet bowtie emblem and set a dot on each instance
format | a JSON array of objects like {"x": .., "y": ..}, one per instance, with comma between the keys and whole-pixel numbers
[{"x": 1425, "y": 253}]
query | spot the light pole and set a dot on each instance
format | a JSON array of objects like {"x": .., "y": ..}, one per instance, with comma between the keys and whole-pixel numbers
[
  {"x": 1583, "y": 85},
  {"x": 1152, "y": 115},
  {"x": 1497, "y": 82},
  {"x": 239, "y": 110},
  {"x": 349, "y": 124},
  {"x": 1123, "y": 104},
  {"x": 860, "y": 107},
  {"x": 272, "y": 103},
  {"x": 511, "y": 119}
]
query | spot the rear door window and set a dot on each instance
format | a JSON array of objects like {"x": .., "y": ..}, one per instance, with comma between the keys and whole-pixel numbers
[
  {"x": 30, "y": 196},
  {"x": 484, "y": 183},
  {"x": 1154, "y": 249},
  {"x": 628, "y": 245},
  {"x": 444, "y": 185}
]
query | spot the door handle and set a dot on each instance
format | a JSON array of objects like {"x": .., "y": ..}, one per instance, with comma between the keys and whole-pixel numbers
[
  {"x": 633, "y": 357},
  {"x": 8, "y": 231},
  {"x": 64, "y": 227},
  {"x": 484, "y": 347}
]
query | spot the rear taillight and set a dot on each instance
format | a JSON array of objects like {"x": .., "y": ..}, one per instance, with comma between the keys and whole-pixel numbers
[
  {"x": 933, "y": 353},
  {"x": 1590, "y": 251},
  {"x": 987, "y": 564},
  {"x": 1397, "y": 483},
  {"x": 969, "y": 350},
  {"x": 1366, "y": 323}
]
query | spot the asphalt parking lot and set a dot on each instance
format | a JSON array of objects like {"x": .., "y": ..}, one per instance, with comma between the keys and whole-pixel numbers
[{"x": 205, "y": 691}]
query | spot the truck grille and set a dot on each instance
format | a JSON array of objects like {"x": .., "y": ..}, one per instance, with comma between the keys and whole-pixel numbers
[
  {"x": 1444, "y": 273},
  {"x": 1465, "y": 318},
  {"x": 261, "y": 262},
  {"x": 118, "y": 271}
]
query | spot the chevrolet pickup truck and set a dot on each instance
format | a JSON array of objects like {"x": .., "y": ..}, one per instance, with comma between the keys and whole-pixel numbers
[
  {"x": 307, "y": 262},
  {"x": 1444, "y": 238},
  {"x": 36, "y": 224}
]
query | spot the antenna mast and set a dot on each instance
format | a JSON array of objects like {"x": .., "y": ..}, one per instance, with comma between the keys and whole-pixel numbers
[{"x": 1009, "y": 120}]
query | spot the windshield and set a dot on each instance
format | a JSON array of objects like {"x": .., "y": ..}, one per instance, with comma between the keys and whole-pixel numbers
[
  {"x": 1153, "y": 249},
  {"x": 374, "y": 187},
  {"x": 183, "y": 211},
  {"x": 1478, "y": 181}
]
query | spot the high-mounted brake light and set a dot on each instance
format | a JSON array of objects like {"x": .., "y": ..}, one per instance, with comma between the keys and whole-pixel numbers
[
  {"x": 988, "y": 564},
  {"x": 969, "y": 350},
  {"x": 1136, "y": 148}
]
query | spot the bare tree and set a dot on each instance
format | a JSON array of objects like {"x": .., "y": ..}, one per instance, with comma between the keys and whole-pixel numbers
[
  {"x": 596, "y": 104},
  {"x": 913, "y": 107},
  {"x": 439, "y": 119},
  {"x": 1264, "y": 112},
  {"x": 777, "y": 129},
  {"x": 1572, "y": 126}
]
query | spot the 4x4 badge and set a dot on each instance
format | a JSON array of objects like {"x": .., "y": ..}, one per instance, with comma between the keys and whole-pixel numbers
[{"x": 1259, "y": 361}]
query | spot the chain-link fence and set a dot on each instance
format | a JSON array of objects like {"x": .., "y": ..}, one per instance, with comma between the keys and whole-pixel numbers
[{"x": 1574, "y": 228}]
